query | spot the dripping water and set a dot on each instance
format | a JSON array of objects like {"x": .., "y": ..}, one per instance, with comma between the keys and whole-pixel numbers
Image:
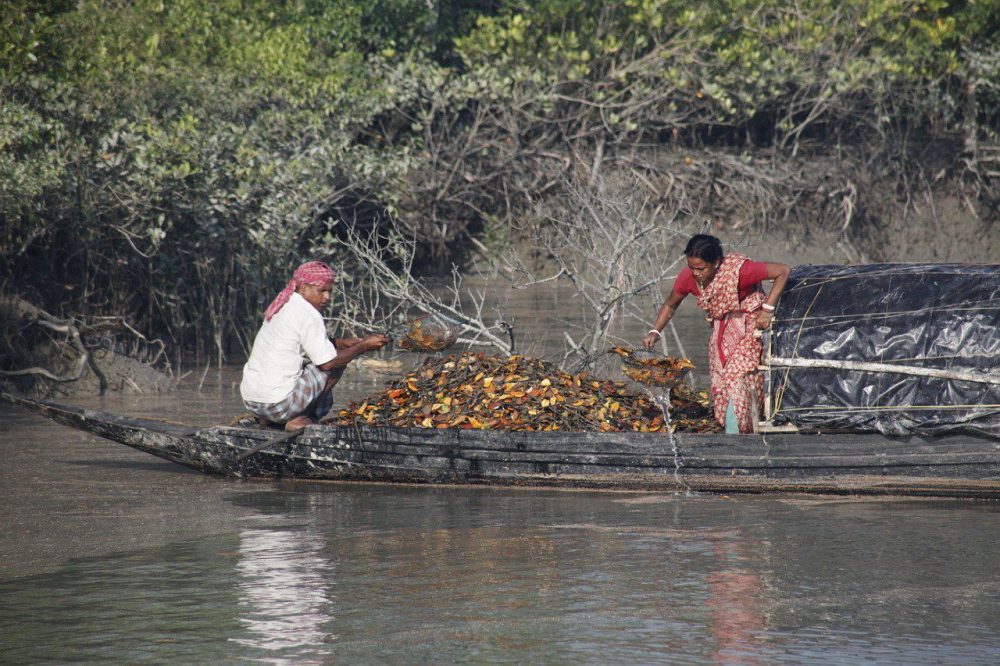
[{"x": 662, "y": 400}]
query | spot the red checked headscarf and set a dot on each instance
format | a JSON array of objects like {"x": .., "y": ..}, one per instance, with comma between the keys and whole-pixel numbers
[{"x": 312, "y": 272}]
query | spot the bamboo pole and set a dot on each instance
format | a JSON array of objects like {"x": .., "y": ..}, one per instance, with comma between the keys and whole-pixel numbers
[
  {"x": 766, "y": 339},
  {"x": 865, "y": 366}
]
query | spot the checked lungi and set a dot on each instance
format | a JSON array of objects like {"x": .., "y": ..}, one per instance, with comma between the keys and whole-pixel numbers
[{"x": 307, "y": 398}]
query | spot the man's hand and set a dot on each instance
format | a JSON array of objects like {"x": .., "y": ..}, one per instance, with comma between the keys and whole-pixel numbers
[
  {"x": 356, "y": 347},
  {"x": 374, "y": 341}
]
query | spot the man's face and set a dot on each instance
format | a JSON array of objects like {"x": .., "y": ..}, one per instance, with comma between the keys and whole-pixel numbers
[{"x": 317, "y": 295}]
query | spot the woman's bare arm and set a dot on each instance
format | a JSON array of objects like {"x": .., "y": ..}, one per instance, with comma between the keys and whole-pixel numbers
[
  {"x": 662, "y": 318},
  {"x": 778, "y": 274}
]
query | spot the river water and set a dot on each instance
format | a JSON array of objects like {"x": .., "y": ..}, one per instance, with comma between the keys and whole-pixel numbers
[{"x": 111, "y": 555}]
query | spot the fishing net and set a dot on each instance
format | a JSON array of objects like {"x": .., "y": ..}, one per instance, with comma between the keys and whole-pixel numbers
[
  {"x": 432, "y": 332},
  {"x": 653, "y": 369}
]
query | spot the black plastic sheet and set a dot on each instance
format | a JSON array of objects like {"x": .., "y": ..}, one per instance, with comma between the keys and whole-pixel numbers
[{"x": 895, "y": 348}]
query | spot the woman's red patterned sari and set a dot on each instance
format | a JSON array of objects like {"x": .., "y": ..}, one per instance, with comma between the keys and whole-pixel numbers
[{"x": 734, "y": 352}]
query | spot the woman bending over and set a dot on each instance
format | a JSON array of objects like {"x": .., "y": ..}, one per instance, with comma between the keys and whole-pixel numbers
[{"x": 729, "y": 289}]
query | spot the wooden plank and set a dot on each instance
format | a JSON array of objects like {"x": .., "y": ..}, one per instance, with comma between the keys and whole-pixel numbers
[
  {"x": 771, "y": 447},
  {"x": 918, "y": 456},
  {"x": 386, "y": 455},
  {"x": 509, "y": 473},
  {"x": 640, "y": 443}
]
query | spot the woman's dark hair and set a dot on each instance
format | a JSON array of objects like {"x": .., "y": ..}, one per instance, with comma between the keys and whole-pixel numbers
[{"x": 704, "y": 247}]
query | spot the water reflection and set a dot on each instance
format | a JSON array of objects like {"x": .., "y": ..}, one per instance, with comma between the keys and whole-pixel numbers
[
  {"x": 736, "y": 602},
  {"x": 285, "y": 604},
  {"x": 356, "y": 573}
]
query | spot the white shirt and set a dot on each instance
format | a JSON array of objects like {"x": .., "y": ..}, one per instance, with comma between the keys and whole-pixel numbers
[{"x": 296, "y": 333}]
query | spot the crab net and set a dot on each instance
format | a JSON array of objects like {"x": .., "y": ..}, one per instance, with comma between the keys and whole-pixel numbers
[
  {"x": 652, "y": 369},
  {"x": 432, "y": 332}
]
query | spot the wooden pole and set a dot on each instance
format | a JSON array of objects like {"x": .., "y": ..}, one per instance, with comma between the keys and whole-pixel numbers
[{"x": 865, "y": 366}]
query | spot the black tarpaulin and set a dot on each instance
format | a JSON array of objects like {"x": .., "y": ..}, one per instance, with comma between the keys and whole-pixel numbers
[{"x": 896, "y": 348}]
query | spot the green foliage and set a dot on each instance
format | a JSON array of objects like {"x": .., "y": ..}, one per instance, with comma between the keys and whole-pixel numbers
[
  {"x": 727, "y": 60},
  {"x": 155, "y": 142},
  {"x": 174, "y": 159}
]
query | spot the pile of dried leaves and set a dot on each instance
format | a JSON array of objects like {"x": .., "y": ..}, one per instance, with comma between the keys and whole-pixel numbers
[{"x": 472, "y": 390}]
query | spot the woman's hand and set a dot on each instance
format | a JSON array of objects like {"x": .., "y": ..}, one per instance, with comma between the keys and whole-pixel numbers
[
  {"x": 650, "y": 340},
  {"x": 764, "y": 319}
]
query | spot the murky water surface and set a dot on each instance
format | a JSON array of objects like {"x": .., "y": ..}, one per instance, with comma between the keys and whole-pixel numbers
[{"x": 110, "y": 555}]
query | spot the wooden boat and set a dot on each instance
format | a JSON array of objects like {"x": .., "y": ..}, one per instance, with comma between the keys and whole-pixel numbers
[{"x": 946, "y": 465}]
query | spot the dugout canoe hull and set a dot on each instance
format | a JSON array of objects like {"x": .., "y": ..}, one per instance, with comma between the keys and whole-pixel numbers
[{"x": 947, "y": 465}]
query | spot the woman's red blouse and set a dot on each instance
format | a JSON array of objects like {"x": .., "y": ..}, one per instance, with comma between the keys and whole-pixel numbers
[{"x": 752, "y": 273}]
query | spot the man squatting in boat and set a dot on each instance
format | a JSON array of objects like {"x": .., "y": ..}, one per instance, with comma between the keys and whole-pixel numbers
[
  {"x": 293, "y": 365},
  {"x": 729, "y": 290}
]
